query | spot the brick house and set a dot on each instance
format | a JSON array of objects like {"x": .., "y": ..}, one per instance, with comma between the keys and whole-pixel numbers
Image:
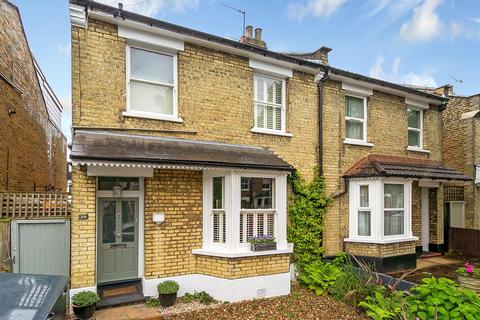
[
  {"x": 183, "y": 142},
  {"x": 29, "y": 115},
  {"x": 461, "y": 142}
]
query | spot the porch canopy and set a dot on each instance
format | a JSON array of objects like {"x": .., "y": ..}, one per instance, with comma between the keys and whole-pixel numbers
[
  {"x": 117, "y": 149},
  {"x": 379, "y": 165}
]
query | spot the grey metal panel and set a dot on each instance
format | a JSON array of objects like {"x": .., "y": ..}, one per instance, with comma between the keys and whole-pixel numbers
[{"x": 41, "y": 246}]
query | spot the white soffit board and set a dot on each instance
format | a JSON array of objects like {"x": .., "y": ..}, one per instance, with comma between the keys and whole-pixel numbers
[
  {"x": 356, "y": 89},
  {"x": 270, "y": 68},
  {"x": 119, "y": 172},
  {"x": 140, "y": 36},
  {"x": 201, "y": 42},
  {"x": 421, "y": 104},
  {"x": 77, "y": 16}
]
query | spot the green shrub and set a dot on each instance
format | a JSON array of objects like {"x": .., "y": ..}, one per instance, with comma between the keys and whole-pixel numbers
[
  {"x": 85, "y": 298},
  {"x": 443, "y": 299},
  {"x": 152, "y": 302},
  {"x": 202, "y": 297},
  {"x": 167, "y": 287},
  {"x": 306, "y": 211},
  {"x": 385, "y": 304},
  {"x": 319, "y": 276}
]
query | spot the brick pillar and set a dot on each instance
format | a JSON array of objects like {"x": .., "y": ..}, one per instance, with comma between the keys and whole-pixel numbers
[{"x": 83, "y": 242}]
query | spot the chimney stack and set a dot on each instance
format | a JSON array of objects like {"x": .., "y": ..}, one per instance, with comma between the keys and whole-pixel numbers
[
  {"x": 445, "y": 90},
  {"x": 248, "y": 38}
]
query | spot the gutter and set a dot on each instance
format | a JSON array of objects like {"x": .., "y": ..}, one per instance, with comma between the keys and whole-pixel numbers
[{"x": 320, "y": 122}]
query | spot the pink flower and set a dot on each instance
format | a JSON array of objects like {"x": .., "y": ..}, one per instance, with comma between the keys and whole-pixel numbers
[{"x": 468, "y": 267}]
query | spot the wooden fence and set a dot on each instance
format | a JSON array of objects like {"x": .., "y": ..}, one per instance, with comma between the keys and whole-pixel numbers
[
  {"x": 34, "y": 205},
  {"x": 465, "y": 241}
]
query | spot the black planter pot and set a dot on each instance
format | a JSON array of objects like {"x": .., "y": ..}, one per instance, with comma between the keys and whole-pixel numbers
[
  {"x": 167, "y": 300},
  {"x": 263, "y": 246},
  {"x": 84, "y": 313}
]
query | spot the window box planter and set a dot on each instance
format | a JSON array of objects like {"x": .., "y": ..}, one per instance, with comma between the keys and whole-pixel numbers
[
  {"x": 469, "y": 282},
  {"x": 263, "y": 246}
]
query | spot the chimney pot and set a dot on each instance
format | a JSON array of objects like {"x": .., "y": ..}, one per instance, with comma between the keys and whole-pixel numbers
[
  {"x": 248, "y": 31},
  {"x": 258, "y": 33},
  {"x": 120, "y": 6}
]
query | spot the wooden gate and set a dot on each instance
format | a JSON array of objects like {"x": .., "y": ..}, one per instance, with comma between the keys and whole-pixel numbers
[{"x": 465, "y": 241}]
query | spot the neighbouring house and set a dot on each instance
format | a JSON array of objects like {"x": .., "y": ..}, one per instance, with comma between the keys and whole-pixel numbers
[
  {"x": 32, "y": 145},
  {"x": 183, "y": 141}
]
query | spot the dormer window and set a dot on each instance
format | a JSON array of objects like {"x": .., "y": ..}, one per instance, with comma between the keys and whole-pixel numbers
[{"x": 151, "y": 84}]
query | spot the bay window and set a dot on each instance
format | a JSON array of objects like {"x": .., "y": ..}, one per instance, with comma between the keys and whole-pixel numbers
[
  {"x": 380, "y": 210},
  {"x": 241, "y": 205}
]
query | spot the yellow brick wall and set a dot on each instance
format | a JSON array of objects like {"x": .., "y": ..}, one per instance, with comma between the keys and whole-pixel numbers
[
  {"x": 380, "y": 250},
  {"x": 388, "y": 136},
  {"x": 168, "y": 246},
  {"x": 83, "y": 232},
  {"x": 242, "y": 267},
  {"x": 215, "y": 97}
]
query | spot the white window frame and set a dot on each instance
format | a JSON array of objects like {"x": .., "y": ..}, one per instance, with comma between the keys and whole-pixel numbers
[
  {"x": 152, "y": 115},
  {"x": 363, "y": 121},
  {"x": 420, "y": 130},
  {"x": 377, "y": 217},
  {"x": 283, "y": 105},
  {"x": 364, "y": 209},
  {"x": 232, "y": 207}
]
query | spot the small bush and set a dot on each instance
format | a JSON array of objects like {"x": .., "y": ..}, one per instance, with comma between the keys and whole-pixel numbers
[
  {"x": 319, "y": 275},
  {"x": 443, "y": 299},
  {"x": 85, "y": 298},
  {"x": 384, "y": 304},
  {"x": 201, "y": 297},
  {"x": 152, "y": 302},
  {"x": 167, "y": 287}
]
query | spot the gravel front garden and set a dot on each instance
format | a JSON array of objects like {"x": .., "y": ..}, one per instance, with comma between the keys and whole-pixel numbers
[{"x": 300, "y": 304}]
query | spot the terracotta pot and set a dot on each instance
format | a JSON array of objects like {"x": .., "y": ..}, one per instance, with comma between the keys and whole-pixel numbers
[
  {"x": 469, "y": 282},
  {"x": 167, "y": 300},
  {"x": 84, "y": 313}
]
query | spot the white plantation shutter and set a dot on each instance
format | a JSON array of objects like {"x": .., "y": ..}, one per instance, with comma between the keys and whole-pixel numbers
[{"x": 269, "y": 103}]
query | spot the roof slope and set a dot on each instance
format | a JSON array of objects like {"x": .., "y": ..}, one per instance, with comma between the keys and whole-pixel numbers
[
  {"x": 110, "y": 146},
  {"x": 380, "y": 165}
]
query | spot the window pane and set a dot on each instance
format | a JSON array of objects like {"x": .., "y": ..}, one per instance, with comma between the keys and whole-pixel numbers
[
  {"x": 354, "y": 107},
  {"x": 278, "y": 92},
  {"x": 393, "y": 196},
  {"x": 268, "y": 90},
  {"x": 108, "y": 222},
  {"x": 260, "y": 195},
  {"x": 354, "y": 130},
  {"x": 151, "y": 98},
  {"x": 218, "y": 193},
  {"x": 126, "y": 183},
  {"x": 413, "y": 118},
  {"x": 128, "y": 221},
  {"x": 151, "y": 66},
  {"x": 364, "y": 196},
  {"x": 364, "y": 223},
  {"x": 393, "y": 223},
  {"x": 413, "y": 138},
  {"x": 245, "y": 184},
  {"x": 278, "y": 119},
  {"x": 260, "y": 116},
  {"x": 270, "y": 115}
]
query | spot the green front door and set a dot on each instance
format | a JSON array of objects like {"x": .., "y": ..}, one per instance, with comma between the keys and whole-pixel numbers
[{"x": 117, "y": 239}]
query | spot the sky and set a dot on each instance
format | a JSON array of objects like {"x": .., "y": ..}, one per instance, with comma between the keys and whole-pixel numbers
[{"x": 416, "y": 42}]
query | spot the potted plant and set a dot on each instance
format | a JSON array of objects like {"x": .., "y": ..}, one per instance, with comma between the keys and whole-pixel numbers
[
  {"x": 167, "y": 292},
  {"x": 262, "y": 243},
  {"x": 469, "y": 277},
  {"x": 83, "y": 304}
]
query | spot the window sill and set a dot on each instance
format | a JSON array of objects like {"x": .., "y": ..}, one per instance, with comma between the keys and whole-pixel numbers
[
  {"x": 415, "y": 149},
  {"x": 357, "y": 143},
  {"x": 271, "y": 132},
  {"x": 241, "y": 254},
  {"x": 146, "y": 115},
  {"x": 384, "y": 241}
]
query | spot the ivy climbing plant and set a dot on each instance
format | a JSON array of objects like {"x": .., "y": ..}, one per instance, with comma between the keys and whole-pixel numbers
[{"x": 306, "y": 214}]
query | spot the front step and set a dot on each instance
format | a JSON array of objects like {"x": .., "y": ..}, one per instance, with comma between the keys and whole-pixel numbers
[
  {"x": 117, "y": 294},
  {"x": 426, "y": 255}
]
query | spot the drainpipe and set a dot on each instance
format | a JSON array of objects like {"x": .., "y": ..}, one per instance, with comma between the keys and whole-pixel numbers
[{"x": 320, "y": 121}]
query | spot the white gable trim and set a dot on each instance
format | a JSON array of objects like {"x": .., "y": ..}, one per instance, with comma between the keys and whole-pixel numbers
[
  {"x": 136, "y": 36},
  {"x": 270, "y": 69}
]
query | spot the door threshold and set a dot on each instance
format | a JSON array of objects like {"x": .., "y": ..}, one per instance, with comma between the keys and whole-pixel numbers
[{"x": 119, "y": 282}]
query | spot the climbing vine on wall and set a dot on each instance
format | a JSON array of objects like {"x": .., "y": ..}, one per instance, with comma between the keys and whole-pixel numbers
[{"x": 306, "y": 214}]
